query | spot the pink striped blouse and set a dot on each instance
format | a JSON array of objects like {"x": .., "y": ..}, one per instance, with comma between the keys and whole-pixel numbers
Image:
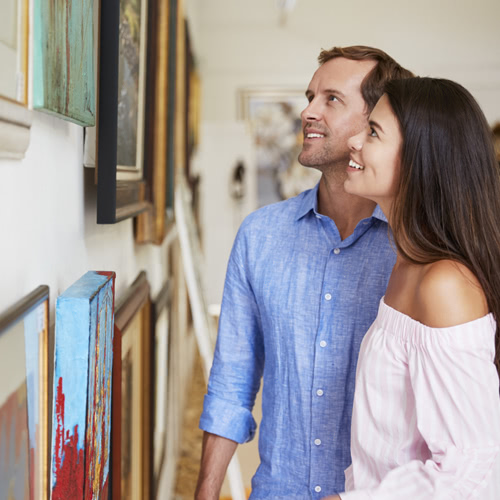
[{"x": 426, "y": 417}]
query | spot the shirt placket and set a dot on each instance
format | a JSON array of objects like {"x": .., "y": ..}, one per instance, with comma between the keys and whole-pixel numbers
[{"x": 320, "y": 441}]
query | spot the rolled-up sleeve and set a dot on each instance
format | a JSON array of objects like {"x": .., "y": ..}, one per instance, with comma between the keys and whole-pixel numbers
[
  {"x": 455, "y": 385},
  {"x": 239, "y": 354}
]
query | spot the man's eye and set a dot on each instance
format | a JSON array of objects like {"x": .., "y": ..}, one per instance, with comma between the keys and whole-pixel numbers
[
  {"x": 372, "y": 132},
  {"x": 332, "y": 98}
]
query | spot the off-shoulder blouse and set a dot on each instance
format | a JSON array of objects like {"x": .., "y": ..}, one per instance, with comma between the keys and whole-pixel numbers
[{"x": 426, "y": 416}]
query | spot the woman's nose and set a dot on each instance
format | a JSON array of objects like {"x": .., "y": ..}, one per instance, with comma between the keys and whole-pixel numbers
[{"x": 356, "y": 141}]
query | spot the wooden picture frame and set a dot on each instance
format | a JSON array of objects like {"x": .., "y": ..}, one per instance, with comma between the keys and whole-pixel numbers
[
  {"x": 63, "y": 60},
  {"x": 122, "y": 186},
  {"x": 161, "y": 321},
  {"x": 24, "y": 393},
  {"x": 132, "y": 415},
  {"x": 81, "y": 416},
  {"x": 15, "y": 118},
  {"x": 153, "y": 224}
]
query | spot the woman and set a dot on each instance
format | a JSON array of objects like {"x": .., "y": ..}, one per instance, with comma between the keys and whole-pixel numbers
[{"x": 426, "y": 417}]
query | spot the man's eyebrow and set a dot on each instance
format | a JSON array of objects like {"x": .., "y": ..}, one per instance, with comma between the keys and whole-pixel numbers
[
  {"x": 334, "y": 92},
  {"x": 376, "y": 125}
]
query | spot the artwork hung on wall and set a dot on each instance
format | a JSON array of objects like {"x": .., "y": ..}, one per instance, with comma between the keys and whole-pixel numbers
[
  {"x": 63, "y": 59},
  {"x": 81, "y": 415},
  {"x": 153, "y": 224},
  {"x": 15, "y": 118},
  {"x": 132, "y": 415},
  {"x": 173, "y": 38},
  {"x": 125, "y": 38},
  {"x": 23, "y": 398},
  {"x": 275, "y": 123},
  {"x": 161, "y": 326}
]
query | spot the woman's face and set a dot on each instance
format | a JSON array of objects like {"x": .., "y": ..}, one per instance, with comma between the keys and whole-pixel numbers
[{"x": 373, "y": 171}]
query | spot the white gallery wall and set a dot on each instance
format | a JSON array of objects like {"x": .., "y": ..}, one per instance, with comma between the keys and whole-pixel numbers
[{"x": 241, "y": 44}]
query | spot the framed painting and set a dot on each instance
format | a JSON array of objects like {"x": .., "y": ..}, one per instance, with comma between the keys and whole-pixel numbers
[
  {"x": 161, "y": 311},
  {"x": 132, "y": 415},
  {"x": 15, "y": 118},
  {"x": 275, "y": 124},
  {"x": 63, "y": 59},
  {"x": 81, "y": 415},
  {"x": 153, "y": 224},
  {"x": 24, "y": 398},
  {"x": 125, "y": 40}
]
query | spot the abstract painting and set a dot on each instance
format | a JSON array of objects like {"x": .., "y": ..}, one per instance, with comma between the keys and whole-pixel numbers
[
  {"x": 23, "y": 398},
  {"x": 83, "y": 359},
  {"x": 63, "y": 60},
  {"x": 131, "y": 84}
]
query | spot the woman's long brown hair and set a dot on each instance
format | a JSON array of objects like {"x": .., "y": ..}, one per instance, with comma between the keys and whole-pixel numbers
[{"x": 448, "y": 202}]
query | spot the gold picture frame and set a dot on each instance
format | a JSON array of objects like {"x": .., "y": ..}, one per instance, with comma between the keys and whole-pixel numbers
[{"x": 131, "y": 434}]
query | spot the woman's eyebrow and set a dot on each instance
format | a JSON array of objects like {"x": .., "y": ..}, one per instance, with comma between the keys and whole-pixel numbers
[{"x": 376, "y": 125}]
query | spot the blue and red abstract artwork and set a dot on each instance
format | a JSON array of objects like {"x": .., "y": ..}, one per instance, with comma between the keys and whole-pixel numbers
[{"x": 83, "y": 359}]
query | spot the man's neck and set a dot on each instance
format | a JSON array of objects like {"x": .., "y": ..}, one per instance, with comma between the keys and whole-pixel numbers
[{"x": 346, "y": 210}]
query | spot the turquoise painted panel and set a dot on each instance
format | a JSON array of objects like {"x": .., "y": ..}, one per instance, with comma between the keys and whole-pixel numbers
[
  {"x": 81, "y": 417},
  {"x": 63, "y": 65}
]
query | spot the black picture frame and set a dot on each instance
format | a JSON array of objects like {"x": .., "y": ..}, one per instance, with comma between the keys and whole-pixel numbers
[{"x": 116, "y": 199}]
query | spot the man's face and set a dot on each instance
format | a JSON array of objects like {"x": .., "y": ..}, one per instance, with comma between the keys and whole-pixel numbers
[{"x": 336, "y": 111}]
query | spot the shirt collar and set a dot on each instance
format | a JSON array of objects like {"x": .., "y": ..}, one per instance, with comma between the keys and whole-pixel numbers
[{"x": 310, "y": 202}]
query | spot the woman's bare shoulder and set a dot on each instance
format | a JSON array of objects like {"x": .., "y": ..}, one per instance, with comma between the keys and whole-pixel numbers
[{"x": 449, "y": 294}]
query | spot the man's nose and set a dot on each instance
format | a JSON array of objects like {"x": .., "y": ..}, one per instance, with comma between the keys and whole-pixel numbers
[{"x": 312, "y": 112}]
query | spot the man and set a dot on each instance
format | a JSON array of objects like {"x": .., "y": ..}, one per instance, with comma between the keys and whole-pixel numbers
[{"x": 303, "y": 285}]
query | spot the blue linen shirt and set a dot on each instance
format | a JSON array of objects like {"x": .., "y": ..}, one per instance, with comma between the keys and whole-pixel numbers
[{"x": 297, "y": 303}]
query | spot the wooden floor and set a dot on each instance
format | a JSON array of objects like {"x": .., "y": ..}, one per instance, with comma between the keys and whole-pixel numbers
[
  {"x": 189, "y": 460},
  {"x": 188, "y": 465}
]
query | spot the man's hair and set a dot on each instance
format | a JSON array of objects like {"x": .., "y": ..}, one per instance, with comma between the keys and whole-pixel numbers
[{"x": 372, "y": 86}]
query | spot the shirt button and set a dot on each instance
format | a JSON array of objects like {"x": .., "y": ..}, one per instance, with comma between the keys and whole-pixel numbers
[
  {"x": 336, "y": 251},
  {"x": 322, "y": 343},
  {"x": 317, "y": 442},
  {"x": 328, "y": 296},
  {"x": 320, "y": 392},
  {"x": 317, "y": 489}
]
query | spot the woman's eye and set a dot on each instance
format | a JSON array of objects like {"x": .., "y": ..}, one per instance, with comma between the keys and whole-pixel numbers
[{"x": 372, "y": 132}]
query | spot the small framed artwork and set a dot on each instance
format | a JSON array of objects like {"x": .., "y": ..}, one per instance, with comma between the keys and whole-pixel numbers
[
  {"x": 125, "y": 39},
  {"x": 275, "y": 124},
  {"x": 161, "y": 312},
  {"x": 24, "y": 398},
  {"x": 15, "y": 118},
  {"x": 153, "y": 224},
  {"x": 81, "y": 415},
  {"x": 132, "y": 416},
  {"x": 63, "y": 60}
]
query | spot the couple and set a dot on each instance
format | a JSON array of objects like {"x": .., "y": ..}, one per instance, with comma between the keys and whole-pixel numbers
[{"x": 307, "y": 278}]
